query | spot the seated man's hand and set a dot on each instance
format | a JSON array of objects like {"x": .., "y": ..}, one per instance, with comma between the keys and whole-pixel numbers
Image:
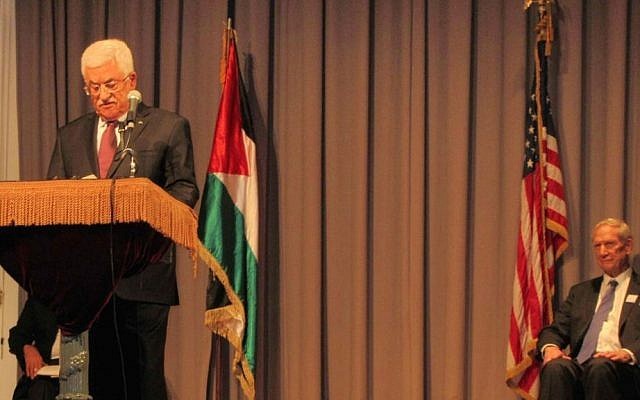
[
  {"x": 617, "y": 355},
  {"x": 553, "y": 352},
  {"x": 33, "y": 360}
]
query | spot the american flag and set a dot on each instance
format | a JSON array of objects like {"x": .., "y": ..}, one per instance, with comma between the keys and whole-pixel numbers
[{"x": 542, "y": 238}]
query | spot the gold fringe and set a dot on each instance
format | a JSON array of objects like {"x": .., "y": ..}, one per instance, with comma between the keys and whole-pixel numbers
[
  {"x": 229, "y": 322},
  {"x": 519, "y": 369},
  {"x": 88, "y": 202}
]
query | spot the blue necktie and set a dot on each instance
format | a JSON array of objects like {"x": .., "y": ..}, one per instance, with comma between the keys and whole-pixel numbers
[{"x": 591, "y": 338}]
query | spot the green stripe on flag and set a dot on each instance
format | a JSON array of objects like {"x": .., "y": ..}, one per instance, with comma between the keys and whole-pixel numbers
[{"x": 222, "y": 231}]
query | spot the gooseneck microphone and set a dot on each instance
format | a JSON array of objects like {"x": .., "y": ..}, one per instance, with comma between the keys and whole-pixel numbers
[{"x": 135, "y": 97}]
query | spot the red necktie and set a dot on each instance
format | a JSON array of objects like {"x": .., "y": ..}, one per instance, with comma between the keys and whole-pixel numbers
[{"x": 107, "y": 148}]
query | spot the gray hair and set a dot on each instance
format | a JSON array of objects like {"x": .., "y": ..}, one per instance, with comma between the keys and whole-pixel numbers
[
  {"x": 101, "y": 52},
  {"x": 624, "y": 233}
]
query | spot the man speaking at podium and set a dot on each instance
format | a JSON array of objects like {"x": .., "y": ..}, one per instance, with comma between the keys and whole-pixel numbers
[{"x": 95, "y": 144}]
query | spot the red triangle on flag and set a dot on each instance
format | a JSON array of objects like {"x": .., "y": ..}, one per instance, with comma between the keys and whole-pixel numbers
[{"x": 228, "y": 151}]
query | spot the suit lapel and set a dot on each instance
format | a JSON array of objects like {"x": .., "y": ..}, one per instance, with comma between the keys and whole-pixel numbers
[
  {"x": 139, "y": 125},
  {"x": 88, "y": 142},
  {"x": 589, "y": 304},
  {"x": 141, "y": 122},
  {"x": 627, "y": 307}
]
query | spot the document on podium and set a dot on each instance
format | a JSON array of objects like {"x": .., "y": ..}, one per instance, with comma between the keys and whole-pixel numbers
[{"x": 52, "y": 371}]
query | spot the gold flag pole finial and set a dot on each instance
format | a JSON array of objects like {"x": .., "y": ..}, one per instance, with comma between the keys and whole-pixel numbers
[
  {"x": 544, "y": 27},
  {"x": 528, "y": 3},
  {"x": 226, "y": 36}
]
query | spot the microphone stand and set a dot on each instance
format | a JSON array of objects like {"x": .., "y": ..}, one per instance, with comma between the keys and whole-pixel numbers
[{"x": 125, "y": 137}]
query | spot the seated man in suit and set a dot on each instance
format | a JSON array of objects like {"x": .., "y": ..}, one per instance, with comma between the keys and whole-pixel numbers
[
  {"x": 32, "y": 341},
  {"x": 600, "y": 321}
]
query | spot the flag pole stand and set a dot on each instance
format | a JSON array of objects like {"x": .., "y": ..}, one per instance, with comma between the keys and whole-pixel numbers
[{"x": 74, "y": 367}]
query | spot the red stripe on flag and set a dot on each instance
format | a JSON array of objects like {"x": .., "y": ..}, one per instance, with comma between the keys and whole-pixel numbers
[{"x": 553, "y": 157}]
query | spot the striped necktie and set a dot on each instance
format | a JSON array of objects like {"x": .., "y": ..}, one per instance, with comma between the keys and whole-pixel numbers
[{"x": 591, "y": 337}]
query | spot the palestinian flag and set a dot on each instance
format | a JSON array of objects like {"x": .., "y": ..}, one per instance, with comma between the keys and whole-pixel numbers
[{"x": 228, "y": 225}]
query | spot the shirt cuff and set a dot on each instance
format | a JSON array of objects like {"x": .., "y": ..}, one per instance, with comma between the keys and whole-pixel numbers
[
  {"x": 634, "y": 361},
  {"x": 546, "y": 346}
]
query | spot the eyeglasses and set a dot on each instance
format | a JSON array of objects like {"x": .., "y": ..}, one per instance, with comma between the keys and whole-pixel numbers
[{"x": 93, "y": 89}]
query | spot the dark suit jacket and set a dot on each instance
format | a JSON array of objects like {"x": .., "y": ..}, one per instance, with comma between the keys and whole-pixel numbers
[
  {"x": 164, "y": 153},
  {"x": 36, "y": 325},
  {"x": 574, "y": 315}
]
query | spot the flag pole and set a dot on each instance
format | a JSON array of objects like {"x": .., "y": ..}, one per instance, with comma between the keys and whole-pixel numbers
[
  {"x": 544, "y": 32},
  {"x": 218, "y": 389},
  {"x": 543, "y": 235}
]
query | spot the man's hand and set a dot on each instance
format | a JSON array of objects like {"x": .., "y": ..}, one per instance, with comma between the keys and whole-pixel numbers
[
  {"x": 33, "y": 360},
  {"x": 617, "y": 355},
  {"x": 553, "y": 352}
]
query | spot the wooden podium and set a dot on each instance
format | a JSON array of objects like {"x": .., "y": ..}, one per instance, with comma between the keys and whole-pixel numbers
[{"x": 69, "y": 242}]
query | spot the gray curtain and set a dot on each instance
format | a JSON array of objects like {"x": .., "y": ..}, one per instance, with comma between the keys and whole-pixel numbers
[
  {"x": 9, "y": 155},
  {"x": 390, "y": 140}
]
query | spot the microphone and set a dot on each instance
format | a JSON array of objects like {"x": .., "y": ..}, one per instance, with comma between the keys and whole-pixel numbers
[{"x": 135, "y": 97}]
